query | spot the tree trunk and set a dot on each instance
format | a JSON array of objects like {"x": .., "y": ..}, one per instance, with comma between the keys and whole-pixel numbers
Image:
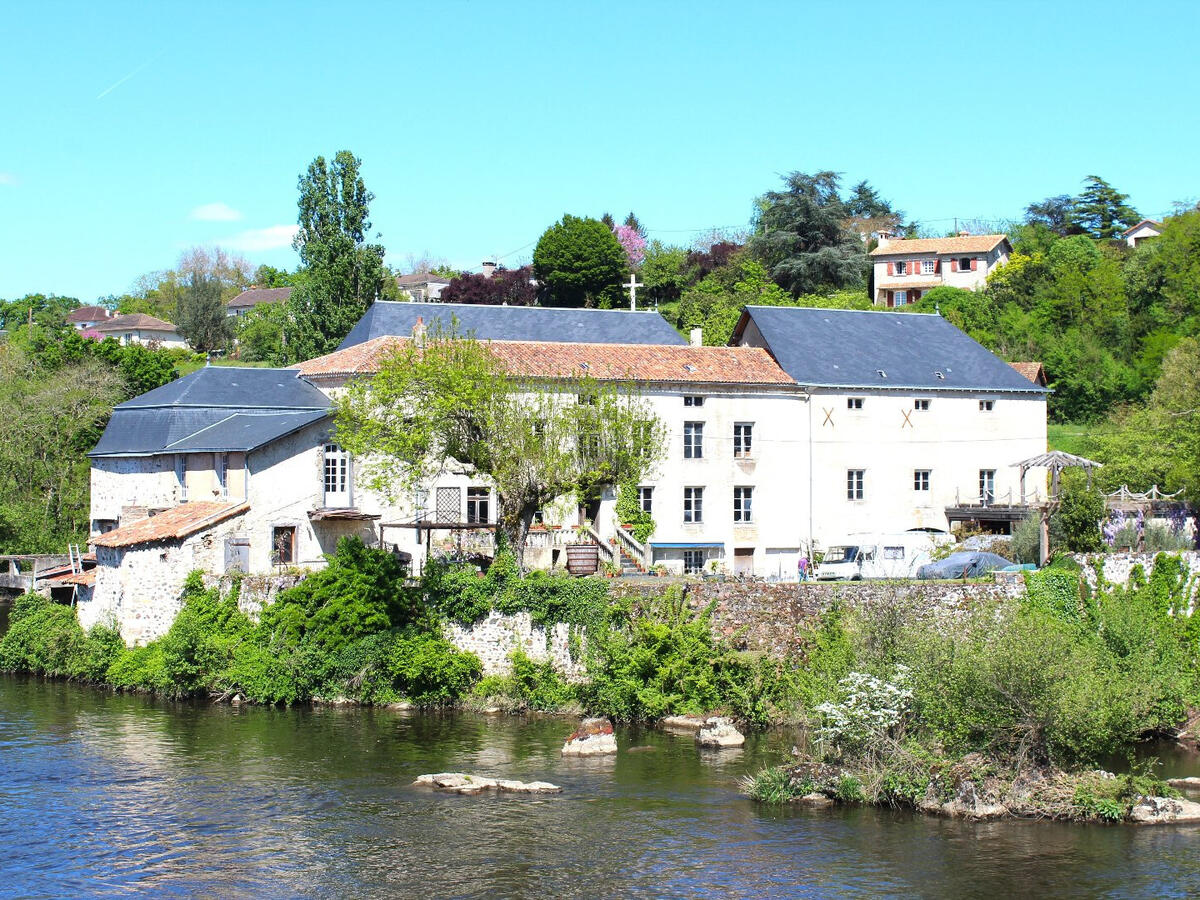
[{"x": 515, "y": 526}]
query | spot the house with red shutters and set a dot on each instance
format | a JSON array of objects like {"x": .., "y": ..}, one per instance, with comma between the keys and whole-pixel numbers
[{"x": 905, "y": 269}]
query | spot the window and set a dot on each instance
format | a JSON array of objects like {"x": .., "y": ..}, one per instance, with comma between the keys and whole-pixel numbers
[
  {"x": 693, "y": 562},
  {"x": 337, "y": 469},
  {"x": 587, "y": 399},
  {"x": 987, "y": 405},
  {"x": 478, "y": 505},
  {"x": 646, "y": 499},
  {"x": 987, "y": 486},
  {"x": 181, "y": 476},
  {"x": 693, "y": 505},
  {"x": 743, "y": 498},
  {"x": 901, "y": 267},
  {"x": 921, "y": 404},
  {"x": 893, "y": 553},
  {"x": 693, "y": 400},
  {"x": 283, "y": 544},
  {"x": 854, "y": 484},
  {"x": 693, "y": 440},
  {"x": 221, "y": 467},
  {"x": 964, "y": 264},
  {"x": 103, "y": 526},
  {"x": 854, "y": 403},
  {"x": 901, "y": 298},
  {"x": 448, "y": 508},
  {"x": 920, "y": 479},
  {"x": 743, "y": 439},
  {"x": 928, "y": 266}
]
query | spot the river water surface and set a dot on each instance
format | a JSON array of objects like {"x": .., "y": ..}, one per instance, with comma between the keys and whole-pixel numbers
[{"x": 109, "y": 795}]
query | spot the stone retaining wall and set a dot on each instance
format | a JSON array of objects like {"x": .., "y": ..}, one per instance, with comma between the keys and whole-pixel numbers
[
  {"x": 257, "y": 590},
  {"x": 494, "y": 638},
  {"x": 1117, "y": 567}
]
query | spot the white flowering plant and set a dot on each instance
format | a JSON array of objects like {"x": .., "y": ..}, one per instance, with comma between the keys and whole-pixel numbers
[{"x": 868, "y": 710}]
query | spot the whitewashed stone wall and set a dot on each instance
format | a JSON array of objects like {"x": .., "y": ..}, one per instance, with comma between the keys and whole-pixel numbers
[
  {"x": 494, "y": 638},
  {"x": 257, "y": 591},
  {"x": 1117, "y": 567}
]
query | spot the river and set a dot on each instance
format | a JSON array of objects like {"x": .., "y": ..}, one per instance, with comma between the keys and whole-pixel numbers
[{"x": 110, "y": 795}]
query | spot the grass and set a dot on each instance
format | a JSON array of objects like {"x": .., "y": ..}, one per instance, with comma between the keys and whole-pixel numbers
[
  {"x": 187, "y": 367},
  {"x": 1072, "y": 437}
]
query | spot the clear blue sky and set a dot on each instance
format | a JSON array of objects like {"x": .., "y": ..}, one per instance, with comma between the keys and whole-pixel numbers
[{"x": 133, "y": 131}]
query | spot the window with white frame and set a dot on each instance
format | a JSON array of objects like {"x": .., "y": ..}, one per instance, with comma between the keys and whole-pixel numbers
[
  {"x": 901, "y": 298},
  {"x": 987, "y": 405},
  {"x": 693, "y": 505},
  {"x": 221, "y": 464},
  {"x": 854, "y": 483},
  {"x": 646, "y": 499},
  {"x": 854, "y": 403},
  {"x": 337, "y": 468},
  {"x": 921, "y": 403},
  {"x": 901, "y": 267},
  {"x": 921, "y": 479},
  {"x": 987, "y": 486},
  {"x": 693, "y": 562},
  {"x": 479, "y": 501},
  {"x": 693, "y": 400},
  {"x": 743, "y": 500},
  {"x": 743, "y": 439},
  {"x": 693, "y": 440},
  {"x": 928, "y": 266}
]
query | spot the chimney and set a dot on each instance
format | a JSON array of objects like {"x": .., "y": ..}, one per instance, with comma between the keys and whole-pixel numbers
[
  {"x": 885, "y": 237},
  {"x": 696, "y": 337},
  {"x": 418, "y": 331},
  {"x": 964, "y": 234},
  {"x": 489, "y": 267}
]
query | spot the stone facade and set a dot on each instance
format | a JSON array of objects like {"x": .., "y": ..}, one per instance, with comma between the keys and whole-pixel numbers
[
  {"x": 1117, "y": 567},
  {"x": 494, "y": 638}
]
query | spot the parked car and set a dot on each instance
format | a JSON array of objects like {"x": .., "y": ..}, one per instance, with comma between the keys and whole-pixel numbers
[
  {"x": 964, "y": 564},
  {"x": 879, "y": 555}
]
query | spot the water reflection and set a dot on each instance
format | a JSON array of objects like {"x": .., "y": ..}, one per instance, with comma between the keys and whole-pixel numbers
[{"x": 104, "y": 794}]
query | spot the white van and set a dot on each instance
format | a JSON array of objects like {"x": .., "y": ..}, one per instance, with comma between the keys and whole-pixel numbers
[{"x": 876, "y": 555}]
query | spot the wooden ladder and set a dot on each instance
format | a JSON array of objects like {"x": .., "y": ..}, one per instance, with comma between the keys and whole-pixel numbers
[{"x": 76, "y": 559}]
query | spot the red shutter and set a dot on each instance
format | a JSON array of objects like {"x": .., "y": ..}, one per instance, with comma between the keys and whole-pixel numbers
[
  {"x": 937, "y": 267},
  {"x": 954, "y": 265},
  {"x": 891, "y": 301},
  {"x": 974, "y": 263},
  {"x": 915, "y": 267},
  {"x": 891, "y": 269}
]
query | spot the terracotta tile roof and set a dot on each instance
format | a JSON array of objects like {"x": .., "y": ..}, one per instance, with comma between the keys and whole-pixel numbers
[
  {"x": 173, "y": 524},
  {"x": 83, "y": 579},
  {"x": 975, "y": 243},
  {"x": 87, "y": 314},
  {"x": 606, "y": 362},
  {"x": 1153, "y": 223},
  {"x": 132, "y": 321},
  {"x": 1034, "y": 371},
  {"x": 253, "y": 296}
]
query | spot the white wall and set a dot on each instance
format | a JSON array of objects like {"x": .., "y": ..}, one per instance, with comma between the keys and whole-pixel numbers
[{"x": 966, "y": 278}]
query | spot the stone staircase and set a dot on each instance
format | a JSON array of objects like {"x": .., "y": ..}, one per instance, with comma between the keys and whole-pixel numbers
[{"x": 629, "y": 565}]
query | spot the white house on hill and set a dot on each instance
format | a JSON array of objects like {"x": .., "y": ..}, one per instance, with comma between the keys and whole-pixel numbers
[
  {"x": 904, "y": 270},
  {"x": 139, "y": 328}
]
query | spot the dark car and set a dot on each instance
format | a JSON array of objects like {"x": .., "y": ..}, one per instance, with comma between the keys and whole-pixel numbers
[{"x": 963, "y": 564}]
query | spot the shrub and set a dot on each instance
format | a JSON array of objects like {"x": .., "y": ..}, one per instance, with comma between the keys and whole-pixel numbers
[
  {"x": 1079, "y": 517},
  {"x": 429, "y": 670},
  {"x": 538, "y": 685},
  {"x": 45, "y": 638},
  {"x": 774, "y": 785}
]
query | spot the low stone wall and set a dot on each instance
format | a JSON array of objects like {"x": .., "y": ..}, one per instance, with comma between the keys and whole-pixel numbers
[
  {"x": 494, "y": 638},
  {"x": 257, "y": 590},
  {"x": 767, "y": 617},
  {"x": 1117, "y": 567}
]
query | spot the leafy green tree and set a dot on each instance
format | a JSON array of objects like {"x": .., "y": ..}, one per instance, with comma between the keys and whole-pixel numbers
[
  {"x": 260, "y": 334},
  {"x": 969, "y": 310},
  {"x": 802, "y": 237},
  {"x": 1101, "y": 210},
  {"x": 202, "y": 318},
  {"x": 345, "y": 273},
  {"x": 1079, "y": 518},
  {"x": 663, "y": 272},
  {"x": 580, "y": 262},
  {"x": 450, "y": 399},
  {"x": 1053, "y": 213},
  {"x": 46, "y": 310}
]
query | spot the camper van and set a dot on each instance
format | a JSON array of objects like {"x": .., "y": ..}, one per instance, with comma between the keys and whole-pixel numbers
[{"x": 875, "y": 555}]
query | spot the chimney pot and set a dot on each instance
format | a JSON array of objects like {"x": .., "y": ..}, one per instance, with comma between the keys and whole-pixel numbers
[{"x": 696, "y": 337}]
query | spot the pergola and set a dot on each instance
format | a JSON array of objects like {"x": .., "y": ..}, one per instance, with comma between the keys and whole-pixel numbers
[{"x": 1055, "y": 461}]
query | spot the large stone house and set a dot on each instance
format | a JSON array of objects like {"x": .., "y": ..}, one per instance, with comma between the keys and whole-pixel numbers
[
  {"x": 904, "y": 270},
  {"x": 814, "y": 424}
]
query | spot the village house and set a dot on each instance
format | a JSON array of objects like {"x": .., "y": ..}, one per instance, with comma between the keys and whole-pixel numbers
[
  {"x": 815, "y": 424},
  {"x": 253, "y": 297},
  {"x": 904, "y": 270},
  {"x": 422, "y": 287},
  {"x": 87, "y": 317},
  {"x": 1142, "y": 231},
  {"x": 139, "y": 328}
]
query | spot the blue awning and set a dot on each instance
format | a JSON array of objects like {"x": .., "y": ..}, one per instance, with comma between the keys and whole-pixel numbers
[{"x": 685, "y": 545}]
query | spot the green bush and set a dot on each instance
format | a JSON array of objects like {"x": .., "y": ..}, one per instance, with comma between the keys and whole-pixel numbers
[
  {"x": 1079, "y": 518},
  {"x": 538, "y": 685},
  {"x": 429, "y": 670},
  {"x": 45, "y": 638}
]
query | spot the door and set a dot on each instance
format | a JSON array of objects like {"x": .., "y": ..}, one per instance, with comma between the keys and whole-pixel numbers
[
  {"x": 337, "y": 478},
  {"x": 743, "y": 561}
]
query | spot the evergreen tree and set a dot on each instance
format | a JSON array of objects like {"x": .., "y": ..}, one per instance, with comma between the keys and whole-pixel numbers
[
  {"x": 203, "y": 321},
  {"x": 579, "y": 262},
  {"x": 1101, "y": 210}
]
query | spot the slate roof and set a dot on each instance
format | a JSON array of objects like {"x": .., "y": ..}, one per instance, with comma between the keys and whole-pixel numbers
[
  {"x": 972, "y": 243},
  {"x": 133, "y": 322},
  {"x": 515, "y": 323},
  {"x": 172, "y": 524},
  {"x": 217, "y": 408},
  {"x": 849, "y": 348},
  {"x": 605, "y": 362},
  {"x": 251, "y": 297}
]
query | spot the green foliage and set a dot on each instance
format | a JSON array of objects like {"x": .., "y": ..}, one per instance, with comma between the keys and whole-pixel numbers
[
  {"x": 429, "y": 670},
  {"x": 202, "y": 318},
  {"x": 775, "y": 786},
  {"x": 533, "y": 685},
  {"x": 1079, "y": 518},
  {"x": 1101, "y": 210},
  {"x": 361, "y": 591},
  {"x": 580, "y": 262},
  {"x": 629, "y": 511},
  {"x": 45, "y": 638},
  {"x": 1055, "y": 592},
  {"x": 1025, "y": 544}
]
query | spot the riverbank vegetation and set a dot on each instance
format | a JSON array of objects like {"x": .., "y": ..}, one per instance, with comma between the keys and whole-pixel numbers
[{"x": 987, "y": 712}]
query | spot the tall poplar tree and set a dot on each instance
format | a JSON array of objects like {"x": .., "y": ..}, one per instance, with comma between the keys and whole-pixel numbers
[{"x": 345, "y": 272}]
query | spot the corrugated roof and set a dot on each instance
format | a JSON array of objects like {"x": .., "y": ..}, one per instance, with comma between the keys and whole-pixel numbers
[
  {"x": 172, "y": 524},
  {"x": 134, "y": 321},
  {"x": 605, "y": 362},
  {"x": 515, "y": 323},
  {"x": 850, "y": 348},
  {"x": 254, "y": 296},
  {"x": 974, "y": 243}
]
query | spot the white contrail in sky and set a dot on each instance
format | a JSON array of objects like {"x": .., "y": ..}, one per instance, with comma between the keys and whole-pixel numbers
[{"x": 112, "y": 87}]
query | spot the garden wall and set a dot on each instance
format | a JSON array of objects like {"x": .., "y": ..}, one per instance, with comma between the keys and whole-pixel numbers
[
  {"x": 494, "y": 638},
  {"x": 1117, "y": 567}
]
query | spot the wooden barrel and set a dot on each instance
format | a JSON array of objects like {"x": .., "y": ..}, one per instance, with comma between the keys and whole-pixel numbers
[{"x": 583, "y": 559}]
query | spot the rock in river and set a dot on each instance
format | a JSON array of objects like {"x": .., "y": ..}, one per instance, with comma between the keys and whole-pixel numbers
[
  {"x": 718, "y": 731},
  {"x": 1164, "y": 810},
  {"x": 594, "y": 737},
  {"x": 461, "y": 783}
]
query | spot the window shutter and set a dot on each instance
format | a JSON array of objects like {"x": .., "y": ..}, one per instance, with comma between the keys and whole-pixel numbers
[
  {"x": 974, "y": 263},
  {"x": 891, "y": 269},
  {"x": 914, "y": 267},
  {"x": 937, "y": 267},
  {"x": 954, "y": 265},
  {"x": 890, "y": 297}
]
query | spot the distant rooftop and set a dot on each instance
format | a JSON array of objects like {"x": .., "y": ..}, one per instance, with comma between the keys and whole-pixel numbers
[
  {"x": 251, "y": 297},
  {"x": 133, "y": 322}
]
